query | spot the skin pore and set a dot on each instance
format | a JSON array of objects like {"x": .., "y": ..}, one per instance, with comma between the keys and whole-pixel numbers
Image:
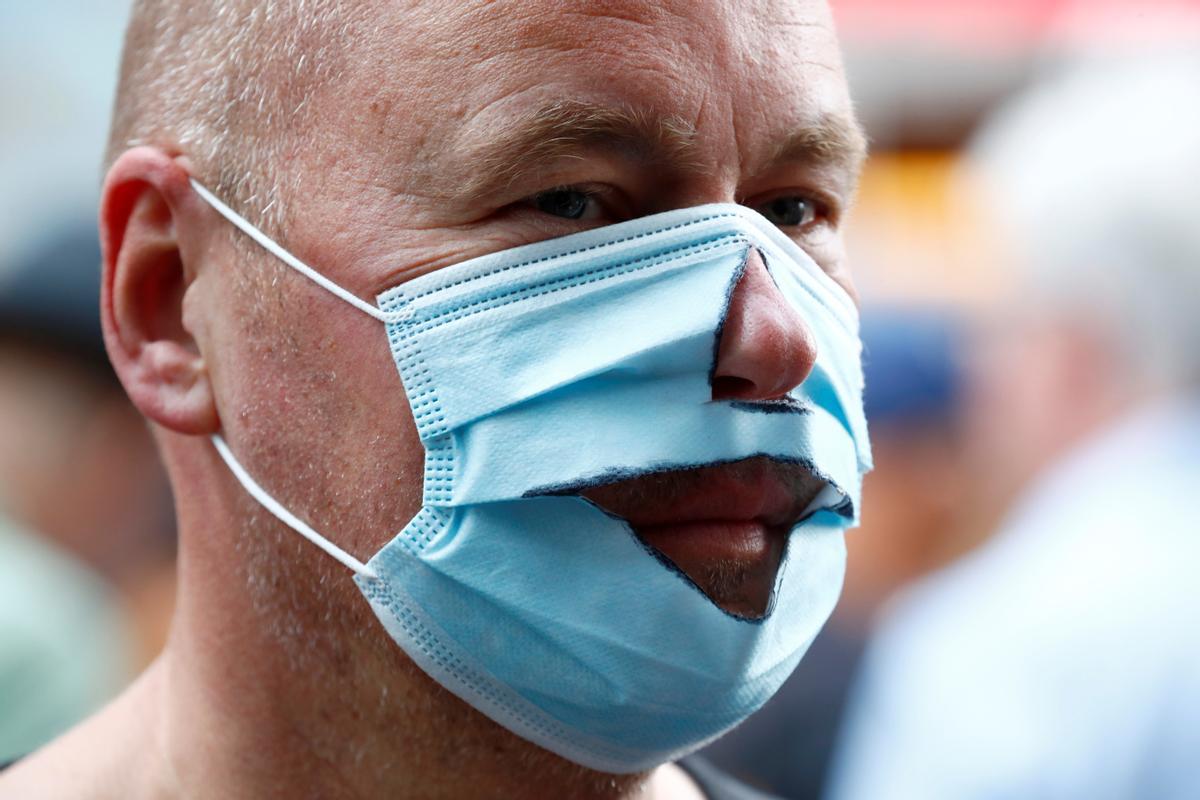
[{"x": 277, "y": 679}]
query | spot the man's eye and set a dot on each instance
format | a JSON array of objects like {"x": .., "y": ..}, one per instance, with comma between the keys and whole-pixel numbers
[
  {"x": 790, "y": 211},
  {"x": 567, "y": 203}
]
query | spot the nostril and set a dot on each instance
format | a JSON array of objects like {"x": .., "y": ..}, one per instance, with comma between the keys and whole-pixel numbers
[{"x": 731, "y": 387}]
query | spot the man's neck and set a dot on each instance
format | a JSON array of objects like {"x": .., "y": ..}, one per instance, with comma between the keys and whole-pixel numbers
[
  {"x": 188, "y": 728},
  {"x": 304, "y": 694},
  {"x": 323, "y": 735}
]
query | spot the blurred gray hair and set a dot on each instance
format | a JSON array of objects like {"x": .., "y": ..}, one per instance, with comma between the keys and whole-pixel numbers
[{"x": 1097, "y": 178}]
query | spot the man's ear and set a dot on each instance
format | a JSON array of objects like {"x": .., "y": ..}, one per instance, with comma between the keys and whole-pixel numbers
[{"x": 146, "y": 206}]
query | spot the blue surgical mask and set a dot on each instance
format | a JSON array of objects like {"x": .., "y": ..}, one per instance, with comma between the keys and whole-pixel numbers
[{"x": 561, "y": 364}]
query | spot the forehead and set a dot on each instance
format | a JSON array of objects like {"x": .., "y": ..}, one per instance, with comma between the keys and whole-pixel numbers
[{"x": 734, "y": 70}]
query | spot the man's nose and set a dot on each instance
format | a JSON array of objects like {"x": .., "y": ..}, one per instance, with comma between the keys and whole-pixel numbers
[{"x": 766, "y": 348}]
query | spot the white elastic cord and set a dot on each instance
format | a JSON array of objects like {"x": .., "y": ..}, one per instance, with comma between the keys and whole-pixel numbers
[
  {"x": 283, "y": 255},
  {"x": 285, "y": 516}
]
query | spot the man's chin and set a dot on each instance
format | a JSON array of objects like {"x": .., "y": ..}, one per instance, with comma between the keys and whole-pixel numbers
[{"x": 735, "y": 562}]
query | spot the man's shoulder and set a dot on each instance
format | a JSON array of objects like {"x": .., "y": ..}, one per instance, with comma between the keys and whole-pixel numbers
[{"x": 716, "y": 784}]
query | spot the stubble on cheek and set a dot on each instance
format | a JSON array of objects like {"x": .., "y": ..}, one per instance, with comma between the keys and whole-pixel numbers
[{"x": 320, "y": 419}]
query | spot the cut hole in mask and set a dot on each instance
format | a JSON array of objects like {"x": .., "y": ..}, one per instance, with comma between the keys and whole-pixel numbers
[
  {"x": 724, "y": 526},
  {"x": 763, "y": 346}
]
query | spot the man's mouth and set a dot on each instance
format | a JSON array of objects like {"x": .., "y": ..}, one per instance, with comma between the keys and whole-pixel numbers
[{"x": 725, "y": 526}]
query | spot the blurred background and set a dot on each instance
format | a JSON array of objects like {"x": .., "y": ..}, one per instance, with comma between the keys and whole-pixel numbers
[{"x": 1018, "y": 618}]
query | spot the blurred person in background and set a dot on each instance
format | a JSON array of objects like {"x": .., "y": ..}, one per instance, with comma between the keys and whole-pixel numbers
[
  {"x": 912, "y": 362},
  {"x": 77, "y": 470},
  {"x": 1062, "y": 658},
  {"x": 87, "y": 560}
]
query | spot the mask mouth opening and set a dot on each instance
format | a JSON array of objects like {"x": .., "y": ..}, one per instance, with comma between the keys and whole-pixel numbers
[
  {"x": 735, "y": 564},
  {"x": 723, "y": 526}
]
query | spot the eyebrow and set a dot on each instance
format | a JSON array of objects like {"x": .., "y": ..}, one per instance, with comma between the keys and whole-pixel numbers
[
  {"x": 564, "y": 128},
  {"x": 828, "y": 139},
  {"x": 561, "y": 129}
]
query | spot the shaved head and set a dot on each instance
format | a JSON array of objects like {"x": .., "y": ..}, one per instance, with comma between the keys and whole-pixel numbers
[{"x": 229, "y": 82}]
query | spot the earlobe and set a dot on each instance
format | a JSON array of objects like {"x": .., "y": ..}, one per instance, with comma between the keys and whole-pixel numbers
[{"x": 144, "y": 287}]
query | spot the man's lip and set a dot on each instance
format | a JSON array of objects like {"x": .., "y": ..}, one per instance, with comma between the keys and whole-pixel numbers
[
  {"x": 735, "y": 541},
  {"x": 749, "y": 491},
  {"x": 725, "y": 526}
]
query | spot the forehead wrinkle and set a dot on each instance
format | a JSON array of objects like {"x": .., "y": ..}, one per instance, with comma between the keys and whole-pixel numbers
[{"x": 563, "y": 129}]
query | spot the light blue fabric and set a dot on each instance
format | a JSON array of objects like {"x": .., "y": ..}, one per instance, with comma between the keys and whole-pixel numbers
[
  {"x": 538, "y": 370},
  {"x": 566, "y": 363}
]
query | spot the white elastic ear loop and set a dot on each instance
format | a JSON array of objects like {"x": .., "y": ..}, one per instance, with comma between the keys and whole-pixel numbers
[
  {"x": 285, "y": 516},
  {"x": 283, "y": 255}
]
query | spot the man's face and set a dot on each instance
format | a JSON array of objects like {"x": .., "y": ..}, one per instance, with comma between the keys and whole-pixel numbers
[{"x": 461, "y": 129}]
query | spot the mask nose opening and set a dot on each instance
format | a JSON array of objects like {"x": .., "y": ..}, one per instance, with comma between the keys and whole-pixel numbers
[{"x": 763, "y": 347}]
